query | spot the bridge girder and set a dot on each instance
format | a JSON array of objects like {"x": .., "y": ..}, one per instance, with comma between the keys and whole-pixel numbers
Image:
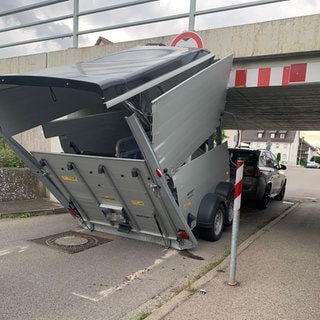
[{"x": 292, "y": 107}]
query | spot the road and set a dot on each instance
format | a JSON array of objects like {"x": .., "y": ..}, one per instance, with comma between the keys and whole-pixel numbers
[{"x": 111, "y": 280}]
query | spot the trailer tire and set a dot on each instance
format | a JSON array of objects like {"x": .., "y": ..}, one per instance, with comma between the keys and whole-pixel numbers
[
  {"x": 226, "y": 190},
  {"x": 229, "y": 213},
  {"x": 211, "y": 217},
  {"x": 215, "y": 231}
]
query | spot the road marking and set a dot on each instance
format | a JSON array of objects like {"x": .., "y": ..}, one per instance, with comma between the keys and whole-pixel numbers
[
  {"x": 127, "y": 279},
  {"x": 288, "y": 202},
  {"x": 18, "y": 249},
  {"x": 311, "y": 198}
]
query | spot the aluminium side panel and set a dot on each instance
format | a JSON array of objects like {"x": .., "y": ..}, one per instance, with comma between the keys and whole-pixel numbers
[
  {"x": 25, "y": 107},
  {"x": 93, "y": 134},
  {"x": 184, "y": 117},
  {"x": 201, "y": 176}
]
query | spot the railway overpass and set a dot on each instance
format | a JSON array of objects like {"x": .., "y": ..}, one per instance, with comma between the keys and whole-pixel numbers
[
  {"x": 276, "y": 92},
  {"x": 274, "y": 84}
]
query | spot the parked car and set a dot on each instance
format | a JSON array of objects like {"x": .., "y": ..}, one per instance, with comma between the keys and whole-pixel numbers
[
  {"x": 262, "y": 176},
  {"x": 312, "y": 164}
]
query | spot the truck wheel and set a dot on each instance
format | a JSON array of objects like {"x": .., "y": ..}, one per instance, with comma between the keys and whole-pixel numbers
[
  {"x": 215, "y": 231},
  {"x": 280, "y": 196},
  {"x": 264, "y": 202}
]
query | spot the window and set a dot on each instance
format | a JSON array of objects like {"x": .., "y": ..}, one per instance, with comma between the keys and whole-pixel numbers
[
  {"x": 260, "y": 134},
  {"x": 272, "y": 134},
  {"x": 271, "y": 161},
  {"x": 282, "y": 134}
]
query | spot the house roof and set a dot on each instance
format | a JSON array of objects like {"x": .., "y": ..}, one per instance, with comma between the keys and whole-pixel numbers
[
  {"x": 252, "y": 135},
  {"x": 102, "y": 41}
]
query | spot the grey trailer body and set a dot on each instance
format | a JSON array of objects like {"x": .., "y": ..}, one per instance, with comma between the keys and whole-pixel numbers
[{"x": 134, "y": 127}]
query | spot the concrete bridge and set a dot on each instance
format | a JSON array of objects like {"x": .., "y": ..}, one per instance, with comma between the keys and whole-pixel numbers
[{"x": 275, "y": 82}]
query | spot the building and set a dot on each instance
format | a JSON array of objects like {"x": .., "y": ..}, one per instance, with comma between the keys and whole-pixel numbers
[
  {"x": 283, "y": 143},
  {"x": 305, "y": 151}
]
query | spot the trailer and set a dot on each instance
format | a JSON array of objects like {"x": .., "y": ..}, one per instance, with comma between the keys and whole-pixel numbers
[{"x": 135, "y": 129}]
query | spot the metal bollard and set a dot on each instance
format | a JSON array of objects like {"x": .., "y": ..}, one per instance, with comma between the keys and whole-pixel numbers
[{"x": 235, "y": 224}]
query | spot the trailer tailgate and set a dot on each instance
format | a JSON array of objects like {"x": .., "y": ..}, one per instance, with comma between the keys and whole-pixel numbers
[{"x": 105, "y": 189}]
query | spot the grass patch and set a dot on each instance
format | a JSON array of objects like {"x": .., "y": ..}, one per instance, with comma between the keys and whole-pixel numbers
[
  {"x": 142, "y": 314},
  {"x": 16, "y": 216}
]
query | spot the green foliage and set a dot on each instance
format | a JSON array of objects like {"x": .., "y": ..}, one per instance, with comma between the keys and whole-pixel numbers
[
  {"x": 278, "y": 156},
  {"x": 216, "y": 137},
  {"x": 142, "y": 315},
  {"x": 316, "y": 159},
  {"x": 8, "y": 158},
  {"x": 303, "y": 162}
]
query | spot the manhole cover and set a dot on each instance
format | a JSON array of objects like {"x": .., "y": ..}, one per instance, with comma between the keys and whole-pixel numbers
[{"x": 71, "y": 241}]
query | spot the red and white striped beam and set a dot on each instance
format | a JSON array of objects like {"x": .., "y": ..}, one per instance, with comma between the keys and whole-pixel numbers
[
  {"x": 276, "y": 76},
  {"x": 238, "y": 185}
]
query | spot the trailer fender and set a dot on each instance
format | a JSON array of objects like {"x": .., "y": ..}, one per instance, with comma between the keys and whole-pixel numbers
[
  {"x": 226, "y": 191},
  {"x": 207, "y": 209}
]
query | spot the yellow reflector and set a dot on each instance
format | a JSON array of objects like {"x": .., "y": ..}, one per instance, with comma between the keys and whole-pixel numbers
[
  {"x": 137, "y": 203},
  {"x": 69, "y": 178},
  {"x": 108, "y": 198}
]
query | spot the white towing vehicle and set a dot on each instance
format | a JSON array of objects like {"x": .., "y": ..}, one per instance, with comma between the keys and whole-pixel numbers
[{"x": 136, "y": 131}]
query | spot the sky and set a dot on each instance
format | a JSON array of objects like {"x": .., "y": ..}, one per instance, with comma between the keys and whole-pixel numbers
[{"x": 152, "y": 9}]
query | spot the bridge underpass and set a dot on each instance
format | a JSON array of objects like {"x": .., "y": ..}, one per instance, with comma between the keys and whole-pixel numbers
[
  {"x": 295, "y": 107},
  {"x": 274, "y": 93}
]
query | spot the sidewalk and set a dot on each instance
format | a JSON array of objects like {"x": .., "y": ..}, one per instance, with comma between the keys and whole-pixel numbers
[
  {"x": 34, "y": 206},
  {"x": 278, "y": 271}
]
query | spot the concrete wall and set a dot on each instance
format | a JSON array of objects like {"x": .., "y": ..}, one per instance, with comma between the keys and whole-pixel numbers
[
  {"x": 292, "y": 35},
  {"x": 20, "y": 184}
]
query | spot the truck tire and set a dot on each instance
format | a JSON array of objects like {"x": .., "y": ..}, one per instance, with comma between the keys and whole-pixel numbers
[
  {"x": 264, "y": 202},
  {"x": 280, "y": 196}
]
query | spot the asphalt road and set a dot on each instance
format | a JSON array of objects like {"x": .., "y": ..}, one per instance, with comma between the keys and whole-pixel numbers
[{"x": 111, "y": 280}]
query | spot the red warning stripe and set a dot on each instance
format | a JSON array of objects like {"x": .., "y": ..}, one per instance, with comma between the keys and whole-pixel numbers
[
  {"x": 239, "y": 179},
  {"x": 264, "y": 77}
]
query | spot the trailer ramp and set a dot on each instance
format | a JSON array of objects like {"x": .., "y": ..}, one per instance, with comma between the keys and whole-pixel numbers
[{"x": 117, "y": 195}]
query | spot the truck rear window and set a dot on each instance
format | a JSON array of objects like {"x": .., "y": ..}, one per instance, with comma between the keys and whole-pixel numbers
[{"x": 250, "y": 161}]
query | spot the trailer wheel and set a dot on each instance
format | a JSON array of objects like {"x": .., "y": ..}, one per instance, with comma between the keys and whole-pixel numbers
[
  {"x": 229, "y": 214},
  {"x": 226, "y": 190},
  {"x": 214, "y": 232}
]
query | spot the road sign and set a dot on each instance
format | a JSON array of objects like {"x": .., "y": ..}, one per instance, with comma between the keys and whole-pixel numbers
[{"x": 187, "y": 39}]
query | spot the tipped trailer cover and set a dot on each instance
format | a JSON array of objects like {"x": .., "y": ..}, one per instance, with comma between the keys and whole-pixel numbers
[{"x": 133, "y": 127}]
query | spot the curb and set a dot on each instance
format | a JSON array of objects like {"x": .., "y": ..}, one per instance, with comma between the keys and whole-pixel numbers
[{"x": 33, "y": 212}]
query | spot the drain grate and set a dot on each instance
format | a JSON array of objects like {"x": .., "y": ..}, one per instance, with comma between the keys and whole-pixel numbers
[{"x": 71, "y": 241}]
